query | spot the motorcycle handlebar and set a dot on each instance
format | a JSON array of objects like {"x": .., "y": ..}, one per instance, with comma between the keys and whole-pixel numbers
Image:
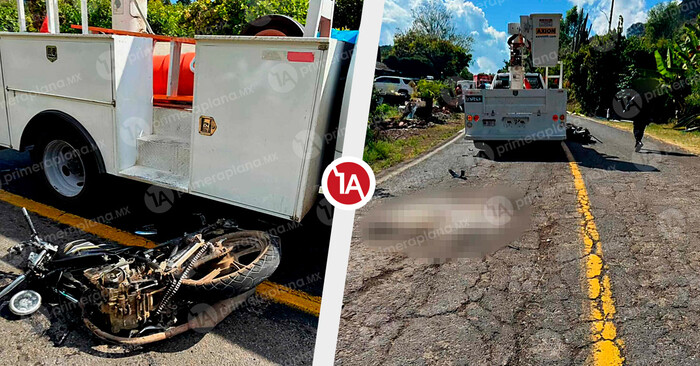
[
  {"x": 13, "y": 285},
  {"x": 29, "y": 222}
]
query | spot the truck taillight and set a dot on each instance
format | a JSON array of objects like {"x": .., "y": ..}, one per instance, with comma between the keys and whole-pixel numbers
[
  {"x": 469, "y": 118},
  {"x": 476, "y": 118},
  {"x": 562, "y": 117},
  {"x": 555, "y": 118}
]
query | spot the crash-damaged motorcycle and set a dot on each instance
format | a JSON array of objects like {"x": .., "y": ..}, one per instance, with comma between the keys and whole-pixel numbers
[{"x": 135, "y": 296}]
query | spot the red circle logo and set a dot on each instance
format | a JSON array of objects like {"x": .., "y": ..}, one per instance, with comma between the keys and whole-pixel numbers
[{"x": 348, "y": 183}]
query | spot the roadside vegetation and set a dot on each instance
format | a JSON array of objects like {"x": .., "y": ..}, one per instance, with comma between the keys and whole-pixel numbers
[
  {"x": 395, "y": 136},
  {"x": 645, "y": 71},
  {"x": 665, "y": 132},
  {"x": 184, "y": 18},
  {"x": 386, "y": 149},
  {"x": 431, "y": 51}
]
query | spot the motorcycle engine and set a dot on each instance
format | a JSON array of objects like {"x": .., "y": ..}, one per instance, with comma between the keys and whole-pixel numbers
[{"x": 127, "y": 293}]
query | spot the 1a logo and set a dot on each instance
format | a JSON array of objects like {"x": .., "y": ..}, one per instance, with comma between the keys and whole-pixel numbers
[{"x": 348, "y": 183}]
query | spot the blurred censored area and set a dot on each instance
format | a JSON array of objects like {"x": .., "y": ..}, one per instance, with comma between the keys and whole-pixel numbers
[{"x": 455, "y": 223}]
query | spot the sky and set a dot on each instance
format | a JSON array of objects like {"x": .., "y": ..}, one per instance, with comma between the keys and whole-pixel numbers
[{"x": 487, "y": 21}]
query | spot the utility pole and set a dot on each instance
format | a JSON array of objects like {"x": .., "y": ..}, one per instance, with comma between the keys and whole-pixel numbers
[{"x": 612, "y": 6}]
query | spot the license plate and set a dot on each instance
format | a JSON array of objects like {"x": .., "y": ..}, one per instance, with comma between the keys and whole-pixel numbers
[
  {"x": 515, "y": 121},
  {"x": 489, "y": 122}
]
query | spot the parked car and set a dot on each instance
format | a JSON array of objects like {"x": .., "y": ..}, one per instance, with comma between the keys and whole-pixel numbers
[
  {"x": 467, "y": 84},
  {"x": 394, "y": 85}
]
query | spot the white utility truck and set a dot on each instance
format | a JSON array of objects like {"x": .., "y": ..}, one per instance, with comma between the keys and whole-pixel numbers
[
  {"x": 521, "y": 106},
  {"x": 251, "y": 131}
]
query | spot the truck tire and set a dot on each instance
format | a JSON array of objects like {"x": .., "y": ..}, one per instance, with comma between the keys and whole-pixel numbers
[
  {"x": 240, "y": 280},
  {"x": 274, "y": 25},
  {"x": 68, "y": 164}
]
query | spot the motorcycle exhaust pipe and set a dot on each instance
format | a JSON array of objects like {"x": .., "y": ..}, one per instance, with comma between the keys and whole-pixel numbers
[{"x": 205, "y": 320}]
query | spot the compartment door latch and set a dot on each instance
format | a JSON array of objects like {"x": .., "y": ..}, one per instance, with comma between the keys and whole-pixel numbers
[{"x": 207, "y": 125}]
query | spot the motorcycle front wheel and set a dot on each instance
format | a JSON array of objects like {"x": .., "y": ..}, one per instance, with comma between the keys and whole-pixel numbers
[{"x": 245, "y": 259}]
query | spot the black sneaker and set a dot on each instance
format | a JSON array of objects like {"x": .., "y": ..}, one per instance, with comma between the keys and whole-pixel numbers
[{"x": 638, "y": 146}]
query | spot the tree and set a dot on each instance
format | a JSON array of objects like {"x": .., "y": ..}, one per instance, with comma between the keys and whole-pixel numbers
[
  {"x": 384, "y": 52},
  {"x": 442, "y": 57},
  {"x": 664, "y": 22},
  {"x": 432, "y": 19},
  {"x": 347, "y": 14},
  {"x": 432, "y": 46},
  {"x": 466, "y": 74},
  {"x": 99, "y": 15},
  {"x": 296, "y": 9},
  {"x": 505, "y": 68},
  {"x": 8, "y": 17},
  {"x": 167, "y": 19},
  {"x": 575, "y": 30},
  {"x": 679, "y": 70},
  {"x": 413, "y": 66}
]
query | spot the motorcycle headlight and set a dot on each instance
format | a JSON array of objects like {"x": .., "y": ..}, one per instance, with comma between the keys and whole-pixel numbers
[{"x": 25, "y": 302}]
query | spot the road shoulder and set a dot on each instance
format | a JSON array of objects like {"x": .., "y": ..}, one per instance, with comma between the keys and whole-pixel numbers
[{"x": 649, "y": 134}]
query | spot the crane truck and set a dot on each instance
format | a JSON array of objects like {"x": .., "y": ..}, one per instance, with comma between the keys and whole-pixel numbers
[
  {"x": 250, "y": 127},
  {"x": 252, "y": 123},
  {"x": 520, "y": 106}
]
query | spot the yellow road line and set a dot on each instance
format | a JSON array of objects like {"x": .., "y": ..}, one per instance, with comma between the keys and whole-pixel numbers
[
  {"x": 600, "y": 306},
  {"x": 269, "y": 290},
  {"x": 86, "y": 225},
  {"x": 293, "y": 298}
]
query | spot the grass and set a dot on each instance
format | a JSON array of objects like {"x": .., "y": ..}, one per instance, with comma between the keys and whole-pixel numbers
[
  {"x": 383, "y": 154},
  {"x": 666, "y": 133}
]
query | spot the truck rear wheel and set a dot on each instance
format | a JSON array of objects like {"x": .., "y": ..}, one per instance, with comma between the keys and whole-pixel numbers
[
  {"x": 68, "y": 165},
  {"x": 488, "y": 148}
]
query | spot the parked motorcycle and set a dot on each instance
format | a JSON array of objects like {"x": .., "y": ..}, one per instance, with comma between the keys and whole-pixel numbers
[{"x": 134, "y": 295}]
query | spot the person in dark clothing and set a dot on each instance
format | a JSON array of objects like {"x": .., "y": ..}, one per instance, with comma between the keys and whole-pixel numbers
[
  {"x": 639, "y": 122},
  {"x": 638, "y": 127}
]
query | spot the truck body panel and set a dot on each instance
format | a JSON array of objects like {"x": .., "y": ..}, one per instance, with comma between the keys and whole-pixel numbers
[
  {"x": 271, "y": 128},
  {"x": 5, "y": 140},
  {"x": 72, "y": 83},
  {"x": 505, "y": 114},
  {"x": 276, "y": 102}
]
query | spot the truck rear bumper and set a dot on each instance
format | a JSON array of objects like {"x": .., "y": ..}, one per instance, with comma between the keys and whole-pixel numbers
[{"x": 527, "y": 138}]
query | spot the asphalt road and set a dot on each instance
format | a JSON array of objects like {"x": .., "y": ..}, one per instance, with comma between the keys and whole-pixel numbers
[
  {"x": 265, "y": 333},
  {"x": 525, "y": 304}
]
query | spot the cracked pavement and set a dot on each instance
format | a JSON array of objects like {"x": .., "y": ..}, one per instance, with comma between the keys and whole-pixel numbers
[{"x": 526, "y": 304}]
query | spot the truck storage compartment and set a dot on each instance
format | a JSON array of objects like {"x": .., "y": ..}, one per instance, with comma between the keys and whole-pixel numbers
[
  {"x": 266, "y": 104},
  {"x": 101, "y": 81},
  {"x": 515, "y": 114},
  {"x": 525, "y": 98}
]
